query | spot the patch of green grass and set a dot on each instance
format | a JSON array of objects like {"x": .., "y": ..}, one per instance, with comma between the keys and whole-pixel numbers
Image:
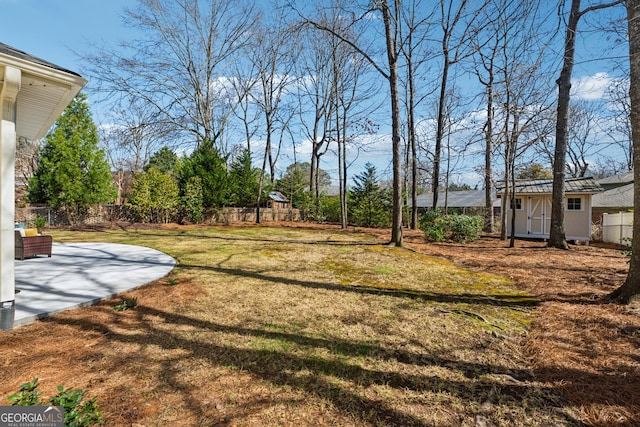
[{"x": 384, "y": 270}]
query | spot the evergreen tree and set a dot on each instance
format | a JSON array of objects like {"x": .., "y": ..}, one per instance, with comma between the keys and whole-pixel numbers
[
  {"x": 244, "y": 181},
  {"x": 206, "y": 163},
  {"x": 304, "y": 168},
  {"x": 192, "y": 200},
  {"x": 370, "y": 205},
  {"x": 535, "y": 171},
  {"x": 166, "y": 161},
  {"x": 73, "y": 173},
  {"x": 295, "y": 185},
  {"x": 154, "y": 197}
]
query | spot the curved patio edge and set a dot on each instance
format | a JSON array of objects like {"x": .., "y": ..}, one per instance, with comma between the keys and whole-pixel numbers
[{"x": 82, "y": 274}]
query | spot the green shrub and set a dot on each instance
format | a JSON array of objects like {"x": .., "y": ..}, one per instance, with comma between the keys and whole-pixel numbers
[
  {"x": 76, "y": 412},
  {"x": 192, "y": 200},
  {"x": 331, "y": 208},
  {"x": 154, "y": 196},
  {"x": 126, "y": 304},
  {"x": 465, "y": 228},
  {"x": 429, "y": 217},
  {"x": 438, "y": 227},
  {"x": 40, "y": 222}
]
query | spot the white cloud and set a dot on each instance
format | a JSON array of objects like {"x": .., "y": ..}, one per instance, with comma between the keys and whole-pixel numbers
[{"x": 592, "y": 87}]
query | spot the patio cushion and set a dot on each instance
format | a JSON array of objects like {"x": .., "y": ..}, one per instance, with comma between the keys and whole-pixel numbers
[{"x": 30, "y": 232}]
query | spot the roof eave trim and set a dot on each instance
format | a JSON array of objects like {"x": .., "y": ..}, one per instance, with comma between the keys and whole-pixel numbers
[{"x": 43, "y": 71}]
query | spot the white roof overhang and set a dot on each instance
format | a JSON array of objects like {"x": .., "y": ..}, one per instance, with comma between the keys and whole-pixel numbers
[{"x": 44, "y": 94}]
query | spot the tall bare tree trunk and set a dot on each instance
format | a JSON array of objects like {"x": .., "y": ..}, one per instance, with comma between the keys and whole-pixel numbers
[
  {"x": 412, "y": 154},
  {"x": 631, "y": 287},
  {"x": 488, "y": 182},
  {"x": 391, "y": 30},
  {"x": 557, "y": 238},
  {"x": 392, "y": 56},
  {"x": 440, "y": 126}
]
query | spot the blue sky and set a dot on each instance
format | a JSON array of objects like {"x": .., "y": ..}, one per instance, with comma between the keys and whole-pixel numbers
[{"x": 54, "y": 29}]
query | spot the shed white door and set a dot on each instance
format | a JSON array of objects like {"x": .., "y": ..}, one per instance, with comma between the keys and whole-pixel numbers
[{"x": 539, "y": 216}]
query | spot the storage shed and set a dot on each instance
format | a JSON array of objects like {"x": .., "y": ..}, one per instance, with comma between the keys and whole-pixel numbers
[
  {"x": 277, "y": 200},
  {"x": 532, "y": 204}
]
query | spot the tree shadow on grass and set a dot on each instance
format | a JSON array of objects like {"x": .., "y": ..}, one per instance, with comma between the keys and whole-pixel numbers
[
  {"x": 227, "y": 236},
  {"x": 336, "y": 379},
  {"x": 514, "y": 301}
]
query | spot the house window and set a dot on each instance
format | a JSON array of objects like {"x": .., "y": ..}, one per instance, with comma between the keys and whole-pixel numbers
[
  {"x": 517, "y": 203},
  {"x": 574, "y": 204}
]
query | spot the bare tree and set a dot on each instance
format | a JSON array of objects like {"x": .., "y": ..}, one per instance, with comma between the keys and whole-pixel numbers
[
  {"x": 27, "y": 158},
  {"x": 414, "y": 30},
  {"x": 557, "y": 237},
  {"x": 119, "y": 159},
  {"x": 522, "y": 95},
  {"x": 273, "y": 58},
  {"x": 583, "y": 144},
  {"x": 583, "y": 120},
  {"x": 352, "y": 106},
  {"x": 493, "y": 36},
  {"x": 130, "y": 135},
  {"x": 455, "y": 147},
  {"x": 315, "y": 94},
  {"x": 620, "y": 122},
  {"x": 630, "y": 289},
  {"x": 138, "y": 132},
  {"x": 243, "y": 84},
  {"x": 389, "y": 10},
  {"x": 457, "y": 19},
  {"x": 181, "y": 63}
]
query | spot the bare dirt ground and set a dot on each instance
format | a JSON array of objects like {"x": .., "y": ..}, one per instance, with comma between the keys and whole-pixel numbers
[{"x": 586, "y": 349}]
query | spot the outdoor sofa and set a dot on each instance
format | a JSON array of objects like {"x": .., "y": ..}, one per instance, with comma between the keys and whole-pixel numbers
[{"x": 30, "y": 243}]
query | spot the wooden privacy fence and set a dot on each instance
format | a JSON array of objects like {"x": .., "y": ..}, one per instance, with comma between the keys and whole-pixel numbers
[
  {"x": 114, "y": 213},
  {"x": 228, "y": 215}
]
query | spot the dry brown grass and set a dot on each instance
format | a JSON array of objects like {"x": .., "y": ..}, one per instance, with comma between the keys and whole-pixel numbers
[
  {"x": 579, "y": 345},
  {"x": 289, "y": 326}
]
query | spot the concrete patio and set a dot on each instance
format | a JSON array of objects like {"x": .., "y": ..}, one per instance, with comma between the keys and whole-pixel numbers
[{"x": 81, "y": 274}]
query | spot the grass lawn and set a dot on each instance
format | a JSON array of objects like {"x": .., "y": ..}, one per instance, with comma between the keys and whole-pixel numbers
[{"x": 261, "y": 326}]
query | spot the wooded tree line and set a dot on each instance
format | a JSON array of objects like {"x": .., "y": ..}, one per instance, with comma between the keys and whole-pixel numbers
[
  {"x": 325, "y": 77},
  {"x": 450, "y": 82},
  {"x": 71, "y": 174}
]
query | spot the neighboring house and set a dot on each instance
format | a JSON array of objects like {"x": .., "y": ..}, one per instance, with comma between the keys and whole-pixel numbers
[
  {"x": 617, "y": 197},
  {"x": 33, "y": 94},
  {"x": 277, "y": 200},
  {"x": 612, "y": 209},
  {"x": 616, "y": 181},
  {"x": 532, "y": 206}
]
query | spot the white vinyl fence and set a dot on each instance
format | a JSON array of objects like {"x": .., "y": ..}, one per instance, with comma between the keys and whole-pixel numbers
[{"x": 617, "y": 228}]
